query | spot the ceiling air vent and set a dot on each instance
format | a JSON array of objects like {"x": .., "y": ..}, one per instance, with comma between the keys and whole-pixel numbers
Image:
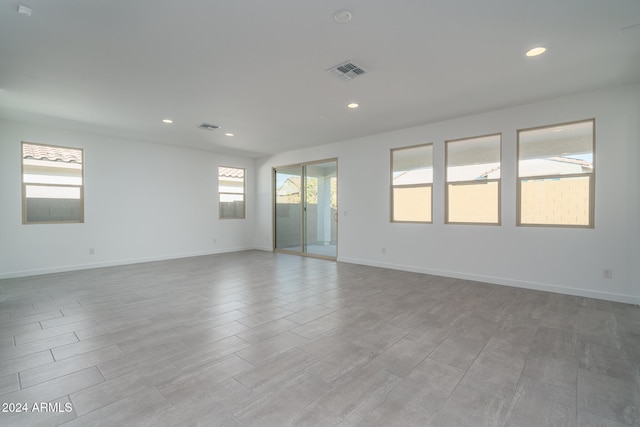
[
  {"x": 208, "y": 126},
  {"x": 347, "y": 71}
]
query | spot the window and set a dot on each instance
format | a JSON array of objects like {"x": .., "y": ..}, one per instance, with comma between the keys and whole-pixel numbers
[
  {"x": 231, "y": 192},
  {"x": 52, "y": 184},
  {"x": 411, "y": 183},
  {"x": 473, "y": 180},
  {"x": 556, "y": 175}
]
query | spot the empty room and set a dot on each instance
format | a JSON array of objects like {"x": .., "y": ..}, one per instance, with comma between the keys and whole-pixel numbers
[{"x": 327, "y": 213}]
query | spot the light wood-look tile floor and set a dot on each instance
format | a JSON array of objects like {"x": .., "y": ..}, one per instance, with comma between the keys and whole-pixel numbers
[{"x": 262, "y": 339}]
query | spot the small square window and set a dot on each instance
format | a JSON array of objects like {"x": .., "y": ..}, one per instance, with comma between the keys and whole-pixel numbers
[
  {"x": 231, "y": 192},
  {"x": 556, "y": 175},
  {"x": 411, "y": 184},
  {"x": 473, "y": 180},
  {"x": 52, "y": 184}
]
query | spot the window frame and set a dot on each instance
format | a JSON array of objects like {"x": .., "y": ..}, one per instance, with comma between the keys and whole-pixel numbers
[
  {"x": 24, "y": 185},
  {"x": 471, "y": 182},
  {"x": 425, "y": 185},
  {"x": 591, "y": 175},
  {"x": 244, "y": 193}
]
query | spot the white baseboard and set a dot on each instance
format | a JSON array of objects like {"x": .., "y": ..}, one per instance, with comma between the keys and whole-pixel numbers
[
  {"x": 628, "y": 299},
  {"x": 113, "y": 263}
]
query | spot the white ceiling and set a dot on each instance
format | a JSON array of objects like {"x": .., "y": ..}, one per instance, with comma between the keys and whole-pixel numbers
[{"x": 257, "y": 68}]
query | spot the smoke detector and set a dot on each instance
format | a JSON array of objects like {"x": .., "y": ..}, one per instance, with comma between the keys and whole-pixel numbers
[
  {"x": 347, "y": 71},
  {"x": 208, "y": 126}
]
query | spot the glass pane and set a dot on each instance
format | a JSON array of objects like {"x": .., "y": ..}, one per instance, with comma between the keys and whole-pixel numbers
[
  {"x": 555, "y": 201},
  {"x": 40, "y": 209},
  {"x": 412, "y": 204},
  {"x": 232, "y": 206},
  {"x": 49, "y": 172},
  {"x": 230, "y": 180},
  {"x": 556, "y": 150},
  {"x": 321, "y": 210},
  {"x": 473, "y": 159},
  {"x": 473, "y": 203},
  {"x": 288, "y": 215},
  {"x": 412, "y": 165},
  {"x": 52, "y": 192},
  {"x": 59, "y": 169}
]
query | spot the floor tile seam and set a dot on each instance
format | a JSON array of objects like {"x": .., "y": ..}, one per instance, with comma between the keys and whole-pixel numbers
[
  {"x": 588, "y": 409},
  {"x": 305, "y": 322},
  {"x": 168, "y": 403},
  {"x": 301, "y": 336},
  {"x": 55, "y": 377},
  {"x": 255, "y": 394},
  {"x": 620, "y": 385},
  {"x": 37, "y": 351},
  {"x": 52, "y": 336},
  {"x": 73, "y": 407},
  {"x": 608, "y": 358},
  {"x": 466, "y": 371},
  {"x": 68, "y": 395},
  {"x": 540, "y": 380},
  {"x": 254, "y": 366},
  {"x": 553, "y": 386},
  {"x": 317, "y": 400},
  {"x": 87, "y": 351},
  {"x": 507, "y": 402}
]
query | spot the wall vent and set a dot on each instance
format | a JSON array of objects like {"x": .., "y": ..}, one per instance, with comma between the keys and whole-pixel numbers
[
  {"x": 208, "y": 126},
  {"x": 347, "y": 71}
]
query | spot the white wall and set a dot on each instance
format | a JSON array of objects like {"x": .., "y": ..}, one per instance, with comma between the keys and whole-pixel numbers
[
  {"x": 143, "y": 202},
  {"x": 554, "y": 259}
]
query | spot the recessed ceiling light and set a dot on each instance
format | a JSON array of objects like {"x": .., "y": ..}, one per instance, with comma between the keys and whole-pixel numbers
[
  {"x": 352, "y": 105},
  {"x": 558, "y": 129},
  {"x": 168, "y": 121},
  {"x": 228, "y": 134},
  {"x": 342, "y": 16},
  {"x": 536, "y": 51}
]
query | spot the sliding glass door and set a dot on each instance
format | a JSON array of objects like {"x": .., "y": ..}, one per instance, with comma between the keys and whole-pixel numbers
[
  {"x": 288, "y": 218},
  {"x": 306, "y": 206}
]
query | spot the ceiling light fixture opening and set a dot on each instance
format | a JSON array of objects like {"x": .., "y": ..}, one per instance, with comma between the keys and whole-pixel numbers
[
  {"x": 229, "y": 134},
  {"x": 536, "y": 51},
  {"x": 353, "y": 105},
  {"x": 342, "y": 16},
  {"x": 168, "y": 121}
]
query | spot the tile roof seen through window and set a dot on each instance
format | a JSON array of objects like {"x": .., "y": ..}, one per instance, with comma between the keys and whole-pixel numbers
[
  {"x": 230, "y": 172},
  {"x": 54, "y": 154}
]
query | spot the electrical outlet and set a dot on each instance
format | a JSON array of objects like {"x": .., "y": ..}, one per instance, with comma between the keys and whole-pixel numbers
[{"x": 607, "y": 273}]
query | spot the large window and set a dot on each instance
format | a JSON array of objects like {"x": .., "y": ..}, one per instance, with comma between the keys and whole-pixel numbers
[
  {"x": 52, "y": 184},
  {"x": 556, "y": 175},
  {"x": 231, "y": 192},
  {"x": 473, "y": 180},
  {"x": 411, "y": 183}
]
